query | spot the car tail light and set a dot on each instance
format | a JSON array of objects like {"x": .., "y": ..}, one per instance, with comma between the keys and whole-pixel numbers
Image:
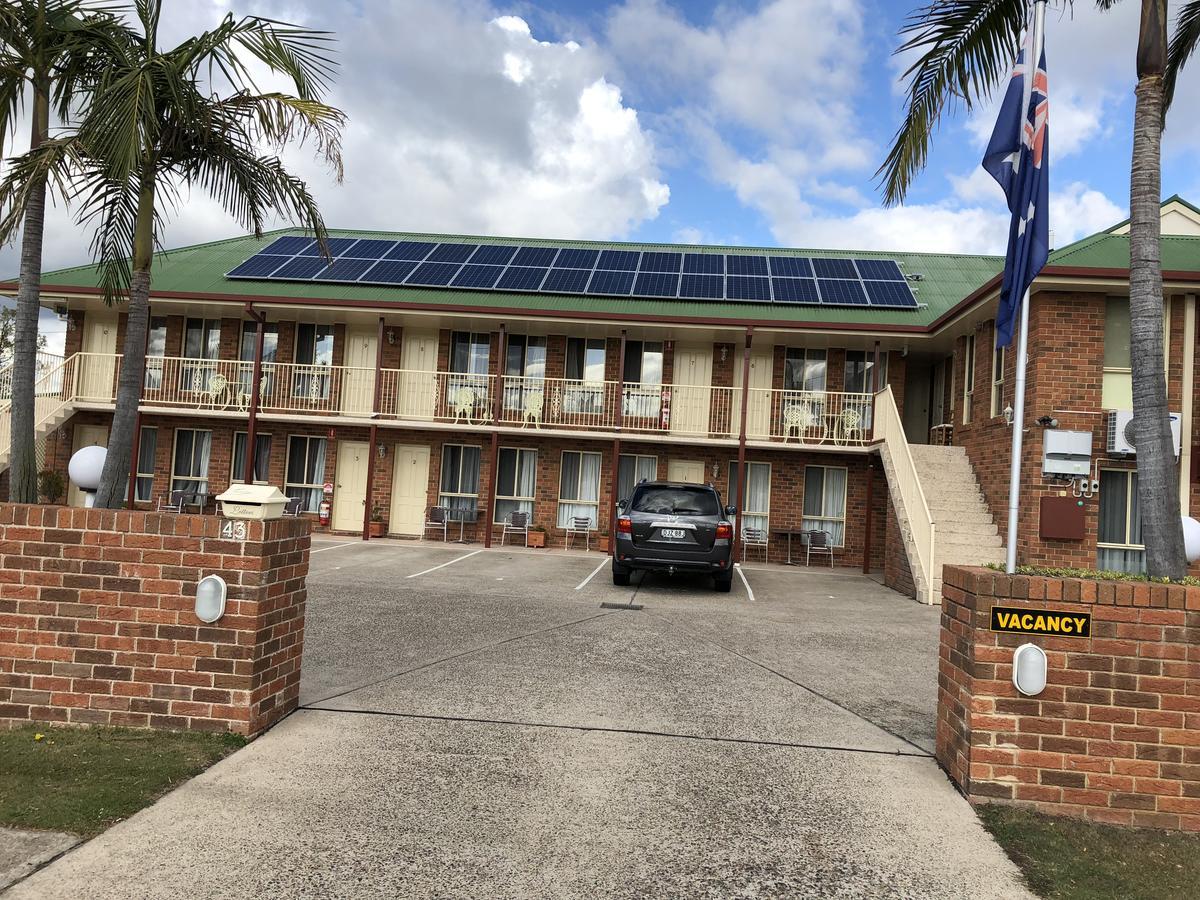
[
  {"x": 725, "y": 530},
  {"x": 624, "y": 525}
]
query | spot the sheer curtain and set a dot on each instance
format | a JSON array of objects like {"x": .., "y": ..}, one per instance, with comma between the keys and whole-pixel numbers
[
  {"x": 825, "y": 502},
  {"x": 515, "y": 484},
  {"x": 147, "y": 447},
  {"x": 758, "y": 496},
  {"x": 1120, "y": 523},
  {"x": 460, "y": 481},
  {"x": 579, "y": 488},
  {"x": 631, "y": 470}
]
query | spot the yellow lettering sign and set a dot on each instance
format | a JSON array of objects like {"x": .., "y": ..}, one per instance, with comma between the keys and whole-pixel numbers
[{"x": 1025, "y": 621}]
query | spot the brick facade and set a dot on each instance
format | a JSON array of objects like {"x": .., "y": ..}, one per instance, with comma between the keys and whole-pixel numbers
[
  {"x": 97, "y": 622},
  {"x": 1114, "y": 737}
]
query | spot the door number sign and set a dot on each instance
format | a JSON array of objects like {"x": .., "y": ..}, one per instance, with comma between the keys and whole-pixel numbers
[{"x": 233, "y": 530}]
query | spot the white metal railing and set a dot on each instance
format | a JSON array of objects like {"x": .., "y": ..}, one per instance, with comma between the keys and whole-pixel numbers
[
  {"x": 922, "y": 529},
  {"x": 53, "y": 388},
  {"x": 810, "y": 417}
]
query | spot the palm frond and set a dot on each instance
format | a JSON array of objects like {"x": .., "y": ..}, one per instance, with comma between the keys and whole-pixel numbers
[
  {"x": 53, "y": 163},
  {"x": 1183, "y": 44},
  {"x": 968, "y": 47}
]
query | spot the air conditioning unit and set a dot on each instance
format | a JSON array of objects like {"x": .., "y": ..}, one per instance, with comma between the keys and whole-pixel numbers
[{"x": 1120, "y": 432}]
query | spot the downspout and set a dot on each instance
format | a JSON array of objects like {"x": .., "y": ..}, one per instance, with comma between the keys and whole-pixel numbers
[
  {"x": 497, "y": 411},
  {"x": 741, "y": 465},
  {"x": 255, "y": 390},
  {"x": 368, "y": 506},
  {"x": 1185, "y": 424}
]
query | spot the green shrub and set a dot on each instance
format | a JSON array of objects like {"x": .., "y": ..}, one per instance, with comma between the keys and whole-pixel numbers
[
  {"x": 1094, "y": 574},
  {"x": 51, "y": 485}
]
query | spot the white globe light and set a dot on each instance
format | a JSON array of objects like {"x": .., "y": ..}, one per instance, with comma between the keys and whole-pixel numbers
[
  {"x": 1191, "y": 539},
  {"x": 85, "y": 467}
]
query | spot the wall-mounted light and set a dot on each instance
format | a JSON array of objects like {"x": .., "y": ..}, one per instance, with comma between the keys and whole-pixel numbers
[
  {"x": 1029, "y": 669},
  {"x": 724, "y": 353},
  {"x": 391, "y": 335},
  {"x": 210, "y": 598},
  {"x": 1008, "y": 415},
  {"x": 382, "y": 450},
  {"x": 716, "y": 470}
]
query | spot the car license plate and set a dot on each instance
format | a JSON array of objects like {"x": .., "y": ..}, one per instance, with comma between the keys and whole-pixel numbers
[{"x": 672, "y": 534}]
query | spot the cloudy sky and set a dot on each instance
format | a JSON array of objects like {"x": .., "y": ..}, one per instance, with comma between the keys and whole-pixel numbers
[{"x": 736, "y": 122}]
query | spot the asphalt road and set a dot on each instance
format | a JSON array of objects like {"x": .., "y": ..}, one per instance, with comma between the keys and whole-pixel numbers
[{"x": 475, "y": 724}]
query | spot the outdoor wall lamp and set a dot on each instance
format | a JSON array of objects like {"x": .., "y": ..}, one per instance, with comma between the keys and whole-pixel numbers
[
  {"x": 382, "y": 450},
  {"x": 1029, "y": 669},
  {"x": 1008, "y": 415},
  {"x": 210, "y": 598},
  {"x": 724, "y": 353},
  {"x": 391, "y": 335}
]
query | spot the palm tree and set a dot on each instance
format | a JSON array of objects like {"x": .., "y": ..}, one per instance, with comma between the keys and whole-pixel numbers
[
  {"x": 51, "y": 50},
  {"x": 153, "y": 127},
  {"x": 967, "y": 48}
]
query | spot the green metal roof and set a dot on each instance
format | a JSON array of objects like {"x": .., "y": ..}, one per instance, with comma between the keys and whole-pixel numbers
[
  {"x": 200, "y": 269},
  {"x": 1180, "y": 253}
]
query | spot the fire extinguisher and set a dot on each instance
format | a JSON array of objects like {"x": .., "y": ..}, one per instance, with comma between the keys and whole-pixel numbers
[{"x": 323, "y": 512}]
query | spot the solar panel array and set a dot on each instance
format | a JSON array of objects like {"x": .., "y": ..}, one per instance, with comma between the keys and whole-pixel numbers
[{"x": 658, "y": 274}]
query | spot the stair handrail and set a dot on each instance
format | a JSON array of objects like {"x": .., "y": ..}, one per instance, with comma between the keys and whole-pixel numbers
[
  {"x": 53, "y": 389},
  {"x": 922, "y": 528}
]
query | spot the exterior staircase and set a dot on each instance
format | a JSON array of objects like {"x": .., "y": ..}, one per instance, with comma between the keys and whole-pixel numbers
[{"x": 53, "y": 401}]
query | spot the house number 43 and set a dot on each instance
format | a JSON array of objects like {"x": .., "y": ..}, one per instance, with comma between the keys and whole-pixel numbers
[{"x": 233, "y": 530}]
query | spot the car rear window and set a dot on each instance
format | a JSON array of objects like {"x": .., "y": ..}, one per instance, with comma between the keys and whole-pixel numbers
[{"x": 676, "y": 501}]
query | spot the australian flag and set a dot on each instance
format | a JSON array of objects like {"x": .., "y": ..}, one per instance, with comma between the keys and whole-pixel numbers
[{"x": 1018, "y": 157}]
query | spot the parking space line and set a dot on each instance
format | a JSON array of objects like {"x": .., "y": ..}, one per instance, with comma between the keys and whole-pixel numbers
[
  {"x": 749, "y": 590},
  {"x": 443, "y": 565},
  {"x": 585, "y": 581},
  {"x": 336, "y": 546}
]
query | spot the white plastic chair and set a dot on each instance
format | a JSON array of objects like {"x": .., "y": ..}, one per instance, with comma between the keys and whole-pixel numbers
[
  {"x": 515, "y": 523},
  {"x": 436, "y": 520},
  {"x": 754, "y": 537},
  {"x": 578, "y": 525}
]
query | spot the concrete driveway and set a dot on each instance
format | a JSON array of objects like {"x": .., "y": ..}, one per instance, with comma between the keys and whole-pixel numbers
[{"x": 476, "y": 724}]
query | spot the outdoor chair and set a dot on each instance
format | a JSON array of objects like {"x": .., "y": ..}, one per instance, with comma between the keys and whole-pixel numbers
[
  {"x": 215, "y": 391},
  {"x": 464, "y": 404},
  {"x": 515, "y": 523},
  {"x": 754, "y": 537},
  {"x": 578, "y": 525},
  {"x": 436, "y": 520},
  {"x": 819, "y": 542},
  {"x": 294, "y": 507},
  {"x": 850, "y": 426},
  {"x": 534, "y": 401},
  {"x": 802, "y": 419},
  {"x": 172, "y": 502}
]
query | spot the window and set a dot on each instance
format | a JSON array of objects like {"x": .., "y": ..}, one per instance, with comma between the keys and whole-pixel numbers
[
  {"x": 201, "y": 341},
  {"x": 189, "y": 473},
  {"x": 825, "y": 502},
  {"x": 968, "y": 378},
  {"x": 756, "y": 509},
  {"x": 860, "y": 379},
  {"x": 804, "y": 370},
  {"x": 314, "y": 357},
  {"x": 262, "y": 458},
  {"x": 1117, "y": 390},
  {"x": 675, "y": 501},
  {"x": 269, "y": 354},
  {"x": 147, "y": 447},
  {"x": 524, "y": 369},
  {"x": 585, "y": 365},
  {"x": 643, "y": 370},
  {"x": 469, "y": 353},
  {"x": 1119, "y": 545},
  {"x": 633, "y": 469},
  {"x": 515, "y": 478},
  {"x": 460, "y": 480},
  {"x": 156, "y": 349},
  {"x": 998, "y": 382},
  {"x": 468, "y": 387},
  {"x": 306, "y": 471},
  {"x": 579, "y": 487}
]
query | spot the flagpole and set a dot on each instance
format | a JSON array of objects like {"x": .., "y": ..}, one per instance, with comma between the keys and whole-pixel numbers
[{"x": 1018, "y": 424}]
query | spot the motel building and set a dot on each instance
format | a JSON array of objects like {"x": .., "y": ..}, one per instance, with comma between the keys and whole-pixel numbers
[{"x": 492, "y": 376}]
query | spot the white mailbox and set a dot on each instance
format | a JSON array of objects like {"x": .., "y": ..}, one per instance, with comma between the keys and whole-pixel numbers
[
  {"x": 252, "y": 501},
  {"x": 1066, "y": 453}
]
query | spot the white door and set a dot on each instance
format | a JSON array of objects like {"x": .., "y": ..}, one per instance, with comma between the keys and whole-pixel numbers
[
  {"x": 417, "y": 387},
  {"x": 350, "y": 487},
  {"x": 410, "y": 482},
  {"x": 358, "y": 378},
  {"x": 758, "y": 409},
  {"x": 690, "y": 394},
  {"x": 687, "y": 470},
  {"x": 95, "y": 375},
  {"x": 86, "y": 436}
]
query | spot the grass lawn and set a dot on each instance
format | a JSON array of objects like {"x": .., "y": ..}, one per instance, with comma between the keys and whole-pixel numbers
[
  {"x": 1065, "y": 859},
  {"x": 84, "y": 779}
]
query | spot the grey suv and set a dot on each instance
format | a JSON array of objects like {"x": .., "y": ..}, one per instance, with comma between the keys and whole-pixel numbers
[{"x": 671, "y": 526}]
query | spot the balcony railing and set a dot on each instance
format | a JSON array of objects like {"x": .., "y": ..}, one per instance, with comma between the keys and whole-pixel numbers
[{"x": 559, "y": 404}]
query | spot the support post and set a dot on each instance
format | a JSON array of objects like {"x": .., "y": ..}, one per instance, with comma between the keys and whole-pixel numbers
[
  {"x": 616, "y": 495},
  {"x": 497, "y": 411},
  {"x": 368, "y": 506},
  {"x": 870, "y": 498},
  {"x": 255, "y": 390},
  {"x": 490, "y": 507},
  {"x": 621, "y": 384},
  {"x": 741, "y": 462}
]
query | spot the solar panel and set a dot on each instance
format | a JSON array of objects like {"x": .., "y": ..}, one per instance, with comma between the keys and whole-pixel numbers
[
  {"x": 389, "y": 271},
  {"x": 653, "y": 261},
  {"x": 702, "y": 287},
  {"x": 619, "y": 260},
  {"x": 834, "y": 268},
  {"x": 842, "y": 292},
  {"x": 890, "y": 293},
  {"x": 535, "y": 256},
  {"x": 567, "y": 281},
  {"x": 791, "y": 266},
  {"x": 433, "y": 273},
  {"x": 569, "y": 258},
  {"x": 259, "y": 266},
  {"x": 656, "y": 284},
  {"x": 879, "y": 270},
  {"x": 704, "y": 263},
  {"x": 740, "y": 287},
  {"x": 344, "y": 270},
  {"x": 452, "y": 253},
  {"x": 370, "y": 249},
  {"x": 337, "y": 246},
  {"x": 410, "y": 250},
  {"x": 745, "y": 265},
  {"x": 494, "y": 254},
  {"x": 288, "y": 245},
  {"x": 606, "y": 282},
  {"x": 301, "y": 267},
  {"x": 474, "y": 276},
  {"x": 522, "y": 278},
  {"x": 795, "y": 290}
]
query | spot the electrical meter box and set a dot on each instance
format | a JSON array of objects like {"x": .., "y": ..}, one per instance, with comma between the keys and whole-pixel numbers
[
  {"x": 252, "y": 501},
  {"x": 1066, "y": 453}
]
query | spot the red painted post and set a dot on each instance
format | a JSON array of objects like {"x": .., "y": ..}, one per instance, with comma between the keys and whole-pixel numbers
[
  {"x": 255, "y": 390},
  {"x": 368, "y": 505},
  {"x": 741, "y": 463}
]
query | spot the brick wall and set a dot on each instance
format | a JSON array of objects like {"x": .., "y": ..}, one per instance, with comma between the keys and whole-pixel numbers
[
  {"x": 97, "y": 624},
  {"x": 1115, "y": 736}
]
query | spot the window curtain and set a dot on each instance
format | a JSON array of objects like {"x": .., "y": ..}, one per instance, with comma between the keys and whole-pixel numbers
[
  {"x": 579, "y": 482},
  {"x": 460, "y": 475},
  {"x": 518, "y": 470},
  {"x": 306, "y": 471},
  {"x": 191, "y": 461},
  {"x": 758, "y": 496},
  {"x": 825, "y": 502},
  {"x": 1120, "y": 523},
  {"x": 631, "y": 470},
  {"x": 147, "y": 446}
]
